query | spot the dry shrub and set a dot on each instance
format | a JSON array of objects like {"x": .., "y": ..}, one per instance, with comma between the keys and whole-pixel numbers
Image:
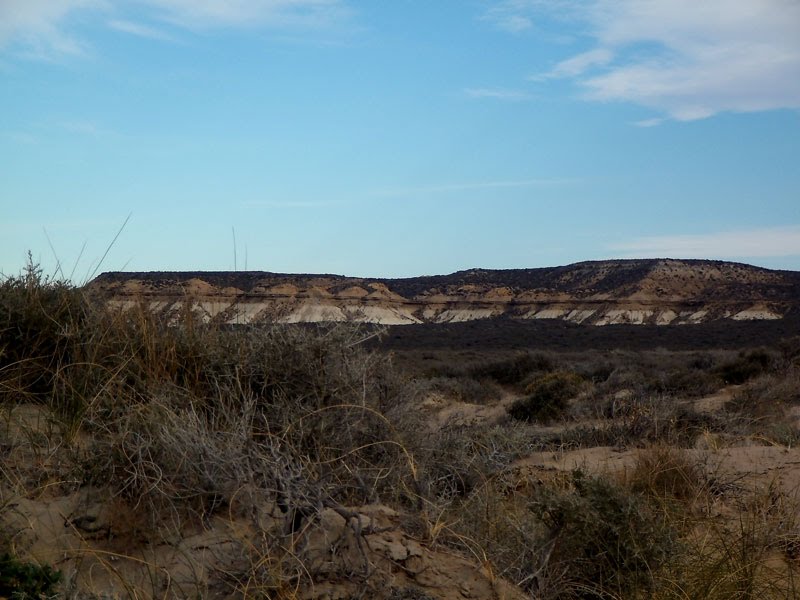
[
  {"x": 514, "y": 370},
  {"x": 760, "y": 408},
  {"x": 746, "y": 366},
  {"x": 634, "y": 420},
  {"x": 463, "y": 388},
  {"x": 667, "y": 474},
  {"x": 577, "y": 536},
  {"x": 548, "y": 397}
]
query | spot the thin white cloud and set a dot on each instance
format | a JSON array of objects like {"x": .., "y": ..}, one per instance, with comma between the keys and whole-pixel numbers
[
  {"x": 474, "y": 185},
  {"x": 249, "y": 13},
  {"x": 84, "y": 128},
  {"x": 139, "y": 30},
  {"x": 496, "y": 94},
  {"x": 512, "y": 16},
  {"x": 41, "y": 28},
  {"x": 690, "y": 60},
  {"x": 37, "y": 25},
  {"x": 655, "y": 121},
  {"x": 578, "y": 64},
  {"x": 288, "y": 204},
  {"x": 21, "y": 137},
  {"x": 761, "y": 243}
]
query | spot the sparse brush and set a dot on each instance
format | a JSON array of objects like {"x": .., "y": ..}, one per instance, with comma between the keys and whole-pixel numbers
[
  {"x": 570, "y": 537},
  {"x": 746, "y": 366},
  {"x": 761, "y": 408},
  {"x": 547, "y": 398},
  {"x": 514, "y": 370}
]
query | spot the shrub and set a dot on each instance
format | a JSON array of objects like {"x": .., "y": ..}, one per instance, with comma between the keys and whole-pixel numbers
[
  {"x": 547, "y": 397},
  {"x": 39, "y": 321},
  {"x": 464, "y": 389},
  {"x": 513, "y": 371},
  {"x": 746, "y": 366},
  {"x": 600, "y": 540},
  {"x": 26, "y": 581}
]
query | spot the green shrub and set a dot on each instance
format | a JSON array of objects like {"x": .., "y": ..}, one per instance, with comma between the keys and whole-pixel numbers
[
  {"x": 26, "y": 581},
  {"x": 600, "y": 541},
  {"x": 547, "y": 398}
]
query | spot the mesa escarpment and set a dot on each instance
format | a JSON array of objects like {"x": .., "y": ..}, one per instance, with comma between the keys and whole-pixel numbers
[{"x": 651, "y": 291}]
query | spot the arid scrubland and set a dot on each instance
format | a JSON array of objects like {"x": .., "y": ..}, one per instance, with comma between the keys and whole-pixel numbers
[{"x": 196, "y": 460}]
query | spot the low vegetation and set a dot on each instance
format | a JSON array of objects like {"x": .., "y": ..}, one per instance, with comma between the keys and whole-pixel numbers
[{"x": 148, "y": 456}]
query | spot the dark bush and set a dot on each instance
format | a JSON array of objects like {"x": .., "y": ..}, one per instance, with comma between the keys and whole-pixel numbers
[
  {"x": 513, "y": 371},
  {"x": 547, "y": 398},
  {"x": 39, "y": 323},
  {"x": 746, "y": 366},
  {"x": 26, "y": 581}
]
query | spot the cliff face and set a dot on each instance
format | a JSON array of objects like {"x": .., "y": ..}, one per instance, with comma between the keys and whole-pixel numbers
[{"x": 610, "y": 292}]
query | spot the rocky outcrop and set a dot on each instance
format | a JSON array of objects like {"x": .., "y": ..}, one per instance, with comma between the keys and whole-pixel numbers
[{"x": 658, "y": 292}]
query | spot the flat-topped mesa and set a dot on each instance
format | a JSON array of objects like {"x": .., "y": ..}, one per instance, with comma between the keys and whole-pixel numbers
[{"x": 647, "y": 291}]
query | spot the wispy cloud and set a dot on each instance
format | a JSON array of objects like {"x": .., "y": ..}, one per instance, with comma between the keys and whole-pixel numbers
[
  {"x": 513, "y": 16},
  {"x": 497, "y": 94},
  {"x": 38, "y": 26},
  {"x": 250, "y": 13},
  {"x": 288, "y": 204},
  {"x": 766, "y": 242},
  {"x": 472, "y": 185},
  {"x": 689, "y": 60},
  {"x": 41, "y": 28},
  {"x": 654, "y": 122},
  {"x": 518, "y": 16},
  {"x": 139, "y": 30},
  {"x": 84, "y": 128},
  {"x": 580, "y": 63},
  {"x": 21, "y": 137}
]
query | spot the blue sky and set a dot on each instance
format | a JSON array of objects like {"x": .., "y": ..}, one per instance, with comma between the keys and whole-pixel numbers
[{"x": 397, "y": 138}]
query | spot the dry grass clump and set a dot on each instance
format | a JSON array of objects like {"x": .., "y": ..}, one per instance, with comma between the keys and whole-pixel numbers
[
  {"x": 746, "y": 554},
  {"x": 667, "y": 474}
]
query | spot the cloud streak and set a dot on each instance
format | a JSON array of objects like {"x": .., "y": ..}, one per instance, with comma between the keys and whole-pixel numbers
[
  {"x": 37, "y": 25},
  {"x": 41, "y": 28},
  {"x": 512, "y": 16},
  {"x": 467, "y": 186},
  {"x": 497, "y": 94},
  {"x": 249, "y": 13},
  {"x": 689, "y": 60},
  {"x": 760, "y": 243},
  {"x": 139, "y": 30}
]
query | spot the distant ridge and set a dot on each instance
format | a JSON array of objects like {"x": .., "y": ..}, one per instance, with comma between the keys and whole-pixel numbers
[{"x": 607, "y": 292}]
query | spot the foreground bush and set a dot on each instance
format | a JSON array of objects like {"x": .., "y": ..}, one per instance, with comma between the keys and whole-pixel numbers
[
  {"x": 26, "y": 581},
  {"x": 547, "y": 398}
]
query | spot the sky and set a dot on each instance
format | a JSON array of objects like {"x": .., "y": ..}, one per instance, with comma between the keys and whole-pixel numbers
[{"x": 396, "y": 139}]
